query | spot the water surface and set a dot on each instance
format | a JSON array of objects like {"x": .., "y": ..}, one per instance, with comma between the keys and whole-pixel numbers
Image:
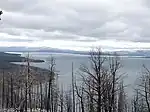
[{"x": 132, "y": 67}]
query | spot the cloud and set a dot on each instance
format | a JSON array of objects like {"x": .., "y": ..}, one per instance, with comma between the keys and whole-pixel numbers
[{"x": 83, "y": 22}]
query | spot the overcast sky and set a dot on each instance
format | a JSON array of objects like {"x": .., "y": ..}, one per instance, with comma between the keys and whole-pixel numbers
[{"x": 76, "y": 24}]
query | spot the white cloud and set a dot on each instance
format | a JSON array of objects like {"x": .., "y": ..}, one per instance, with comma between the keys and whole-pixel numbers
[{"x": 76, "y": 24}]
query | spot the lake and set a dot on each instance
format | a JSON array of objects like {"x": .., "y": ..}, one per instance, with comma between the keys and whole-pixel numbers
[{"x": 132, "y": 67}]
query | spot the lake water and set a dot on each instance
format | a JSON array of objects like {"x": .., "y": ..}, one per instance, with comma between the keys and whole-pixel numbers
[{"x": 132, "y": 67}]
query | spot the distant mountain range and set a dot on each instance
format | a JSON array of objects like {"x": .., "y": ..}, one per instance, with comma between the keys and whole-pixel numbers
[
  {"x": 40, "y": 49},
  {"x": 141, "y": 53}
]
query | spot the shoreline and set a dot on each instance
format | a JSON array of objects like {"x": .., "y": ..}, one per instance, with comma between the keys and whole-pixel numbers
[{"x": 18, "y": 70}]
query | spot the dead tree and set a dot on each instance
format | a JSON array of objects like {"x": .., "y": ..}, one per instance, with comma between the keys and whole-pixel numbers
[
  {"x": 51, "y": 78},
  {"x": 7, "y": 96},
  {"x": 73, "y": 94},
  {"x": 96, "y": 74},
  {"x": 12, "y": 91},
  {"x": 101, "y": 81},
  {"x": 135, "y": 102},
  {"x": 41, "y": 93},
  {"x": 37, "y": 96},
  {"x": 3, "y": 90},
  {"x": 114, "y": 67},
  {"x": 27, "y": 78},
  {"x": 62, "y": 100},
  {"x": 80, "y": 94},
  {"x": 68, "y": 99},
  {"x": 45, "y": 96},
  {"x": 144, "y": 88},
  {"x": 121, "y": 99},
  {"x": 56, "y": 93}
]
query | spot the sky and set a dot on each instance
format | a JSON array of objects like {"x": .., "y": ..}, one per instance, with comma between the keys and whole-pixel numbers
[{"x": 76, "y": 24}]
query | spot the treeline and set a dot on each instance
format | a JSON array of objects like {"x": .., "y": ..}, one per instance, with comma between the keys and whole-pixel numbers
[
  {"x": 95, "y": 88},
  {"x": 7, "y": 57}
]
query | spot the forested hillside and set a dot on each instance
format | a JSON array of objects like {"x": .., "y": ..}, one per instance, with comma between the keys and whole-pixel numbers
[{"x": 7, "y": 57}]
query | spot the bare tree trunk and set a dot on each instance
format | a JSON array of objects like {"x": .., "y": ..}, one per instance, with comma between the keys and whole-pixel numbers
[
  {"x": 99, "y": 96},
  {"x": 30, "y": 99},
  {"x": 45, "y": 96},
  {"x": 41, "y": 108},
  {"x": 144, "y": 89},
  {"x": 37, "y": 96},
  {"x": 49, "y": 93},
  {"x": 73, "y": 94},
  {"x": 56, "y": 94},
  {"x": 121, "y": 99},
  {"x": 3, "y": 91},
  {"x": 11, "y": 88},
  {"x": 51, "y": 78},
  {"x": 69, "y": 102},
  {"x": 76, "y": 105},
  {"x": 61, "y": 101},
  {"x": 112, "y": 109},
  {"x": 80, "y": 95},
  {"x": 79, "y": 107},
  {"x": 52, "y": 97},
  {"x": 7, "y": 98},
  {"x": 91, "y": 105},
  {"x": 26, "y": 84},
  {"x": 26, "y": 96},
  {"x": 146, "y": 98},
  {"x": 18, "y": 95},
  {"x": 34, "y": 97},
  {"x": 114, "y": 66}
]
